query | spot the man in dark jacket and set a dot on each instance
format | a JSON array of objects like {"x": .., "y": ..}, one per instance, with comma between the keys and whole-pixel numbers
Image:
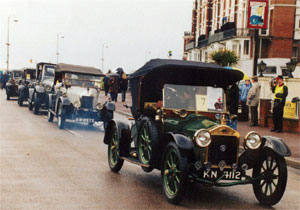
[
  {"x": 232, "y": 103},
  {"x": 280, "y": 93},
  {"x": 105, "y": 80},
  {"x": 123, "y": 83}
]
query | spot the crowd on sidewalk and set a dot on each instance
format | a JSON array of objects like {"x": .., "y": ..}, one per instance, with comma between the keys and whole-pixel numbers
[
  {"x": 116, "y": 83},
  {"x": 249, "y": 95}
]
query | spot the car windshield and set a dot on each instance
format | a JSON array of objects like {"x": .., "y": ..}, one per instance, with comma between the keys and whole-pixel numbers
[
  {"x": 17, "y": 74},
  {"x": 83, "y": 80},
  {"x": 197, "y": 98},
  {"x": 49, "y": 72}
]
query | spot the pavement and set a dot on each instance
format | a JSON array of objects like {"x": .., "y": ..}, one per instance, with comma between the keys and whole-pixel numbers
[{"x": 291, "y": 139}]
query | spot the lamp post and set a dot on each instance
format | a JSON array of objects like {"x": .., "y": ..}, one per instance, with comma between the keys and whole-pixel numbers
[
  {"x": 59, "y": 35},
  {"x": 146, "y": 53},
  {"x": 291, "y": 66},
  {"x": 103, "y": 46},
  {"x": 261, "y": 67},
  {"x": 8, "y": 21}
]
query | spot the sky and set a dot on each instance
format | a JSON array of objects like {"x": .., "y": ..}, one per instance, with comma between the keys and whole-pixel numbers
[{"x": 133, "y": 31}]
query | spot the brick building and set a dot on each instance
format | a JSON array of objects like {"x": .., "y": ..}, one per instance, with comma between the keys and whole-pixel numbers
[{"x": 222, "y": 24}]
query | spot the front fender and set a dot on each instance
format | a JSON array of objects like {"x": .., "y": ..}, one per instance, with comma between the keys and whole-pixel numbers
[
  {"x": 182, "y": 141},
  {"x": 65, "y": 101},
  {"x": 277, "y": 144},
  {"x": 121, "y": 126},
  {"x": 110, "y": 106}
]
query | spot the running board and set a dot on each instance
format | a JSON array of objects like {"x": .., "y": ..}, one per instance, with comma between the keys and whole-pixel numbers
[{"x": 134, "y": 161}]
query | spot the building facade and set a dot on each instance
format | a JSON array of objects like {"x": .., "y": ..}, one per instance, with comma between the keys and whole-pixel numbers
[{"x": 222, "y": 24}]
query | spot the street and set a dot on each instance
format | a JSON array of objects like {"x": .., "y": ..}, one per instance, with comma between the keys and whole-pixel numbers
[{"x": 43, "y": 167}]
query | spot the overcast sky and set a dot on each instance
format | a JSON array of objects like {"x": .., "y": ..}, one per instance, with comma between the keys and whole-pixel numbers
[{"x": 130, "y": 28}]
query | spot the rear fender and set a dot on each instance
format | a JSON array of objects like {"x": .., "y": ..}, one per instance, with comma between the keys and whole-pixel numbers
[
  {"x": 277, "y": 145},
  {"x": 121, "y": 128}
]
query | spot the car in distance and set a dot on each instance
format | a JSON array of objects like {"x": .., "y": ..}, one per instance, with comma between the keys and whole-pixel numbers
[
  {"x": 77, "y": 97},
  {"x": 178, "y": 129},
  {"x": 38, "y": 93},
  {"x": 28, "y": 79},
  {"x": 12, "y": 84}
]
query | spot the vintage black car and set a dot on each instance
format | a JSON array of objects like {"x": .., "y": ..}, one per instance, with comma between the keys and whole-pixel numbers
[
  {"x": 76, "y": 96},
  {"x": 28, "y": 81},
  {"x": 38, "y": 93},
  {"x": 180, "y": 128},
  {"x": 12, "y": 84}
]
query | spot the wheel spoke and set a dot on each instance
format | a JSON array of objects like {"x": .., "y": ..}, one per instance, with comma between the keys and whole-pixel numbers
[
  {"x": 169, "y": 164},
  {"x": 271, "y": 190},
  {"x": 275, "y": 185},
  {"x": 175, "y": 185},
  {"x": 271, "y": 164},
  {"x": 263, "y": 183},
  {"x": 274, "y": 168},
  {"x": 266, "y": 190},
  {"x": 177, "y": 179}
]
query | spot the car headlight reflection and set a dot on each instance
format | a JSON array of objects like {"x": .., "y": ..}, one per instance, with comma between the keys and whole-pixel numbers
[
  {"x": 77, "y": 104},
  {"x": 202, "y": 138},
  {"x": 252, "y": 140},
  {"x": 99, "y": 106}
]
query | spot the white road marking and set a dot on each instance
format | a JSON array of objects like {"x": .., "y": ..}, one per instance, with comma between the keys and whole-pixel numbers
[{"x": 74, "y": 133}]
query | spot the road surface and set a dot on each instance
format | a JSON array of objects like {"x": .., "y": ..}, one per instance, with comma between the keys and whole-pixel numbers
[{"x": 43, "y": 167}]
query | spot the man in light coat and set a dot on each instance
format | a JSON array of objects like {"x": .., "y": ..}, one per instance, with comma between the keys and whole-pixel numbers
[{"x": 253, "y": 100}]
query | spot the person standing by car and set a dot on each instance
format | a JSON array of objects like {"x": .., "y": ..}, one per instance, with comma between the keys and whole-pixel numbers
[
  {"x": 123, "y": 83},
  {"x": 253, "y": 100},
  {"x": 280, "y": 93},
  {"x": 243, "y": 97},
  {"x": 105, "y": 80},
  {"x": 113, "y": 88},
  {"x": 232, "y": 103}
]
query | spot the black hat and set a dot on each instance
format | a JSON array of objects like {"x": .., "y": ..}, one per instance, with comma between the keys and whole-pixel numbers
[
  {"x": 279, "y": 77},
  {"x": 119, "y": 70}
]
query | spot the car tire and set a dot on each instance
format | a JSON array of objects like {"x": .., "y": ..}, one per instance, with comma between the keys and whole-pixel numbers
[
  {"x": 173, "y": 174},
  {"x": 147, "y": 142},
  {"x": 30, "y": 106},
  {"x": 269, "y": 190},
  {"x": 61, "y": 118},
  {"x": 50, "y": 116},
  {"x": 7, "y": 96},
  {"x": 36, "y": 108},
  {"x": 20, "y": 101},
  {"x": 114, "y": 161}
]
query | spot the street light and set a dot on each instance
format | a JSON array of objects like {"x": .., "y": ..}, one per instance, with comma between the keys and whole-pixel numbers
[
  {"x": 103, "y": 46},
  {"x": 147, "y": 52},
  {"x": 291, "y": 66},
  {"x": 261, "y": 67},
  {"x": 59, "y": 35},
  {"x": 8, "y": 21}
]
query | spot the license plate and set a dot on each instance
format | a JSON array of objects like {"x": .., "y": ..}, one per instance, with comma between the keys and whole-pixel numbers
[{"x": 228, "y": 175}]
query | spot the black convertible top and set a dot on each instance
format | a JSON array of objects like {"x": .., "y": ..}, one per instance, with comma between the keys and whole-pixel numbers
[
  {"x": 62, "y": 67},
  {"x": 147, "y": 82}
]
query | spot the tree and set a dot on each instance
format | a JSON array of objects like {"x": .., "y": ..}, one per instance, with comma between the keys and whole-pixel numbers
[{"x": 224, "y": 57}]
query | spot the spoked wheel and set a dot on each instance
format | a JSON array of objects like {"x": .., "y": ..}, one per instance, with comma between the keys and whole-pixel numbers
[
  {"x": 174, "y": 174},
  {"x": 114, "y": 160},
  {"x": 61, "y": 117},
  {"x": 272, "y": 167},
  {"x": 147, "y": 143}
]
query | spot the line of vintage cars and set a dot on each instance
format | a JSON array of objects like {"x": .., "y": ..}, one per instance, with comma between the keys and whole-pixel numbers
[
  {"x": 176, "y": 126},
  {"x": 65, "y": 91}
]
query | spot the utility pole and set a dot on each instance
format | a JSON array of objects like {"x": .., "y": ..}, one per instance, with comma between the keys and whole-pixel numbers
[
  {"x": 7, "y": 61},
  {"x": 57, "y": 38}
]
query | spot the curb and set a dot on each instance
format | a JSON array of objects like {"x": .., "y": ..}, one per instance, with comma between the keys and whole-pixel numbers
[{"x": 291, "y": 162}]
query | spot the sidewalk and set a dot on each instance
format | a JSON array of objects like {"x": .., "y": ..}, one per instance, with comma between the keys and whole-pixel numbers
[{"x": 291, "y": 139}]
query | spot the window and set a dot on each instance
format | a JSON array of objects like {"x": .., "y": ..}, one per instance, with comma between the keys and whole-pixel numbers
[
  {"x": 246, "y": 47},
  {"x": 295, "y": 54}
]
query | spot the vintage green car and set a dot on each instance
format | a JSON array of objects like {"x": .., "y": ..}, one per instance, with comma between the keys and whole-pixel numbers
[{"x": 181, "y": 128}]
